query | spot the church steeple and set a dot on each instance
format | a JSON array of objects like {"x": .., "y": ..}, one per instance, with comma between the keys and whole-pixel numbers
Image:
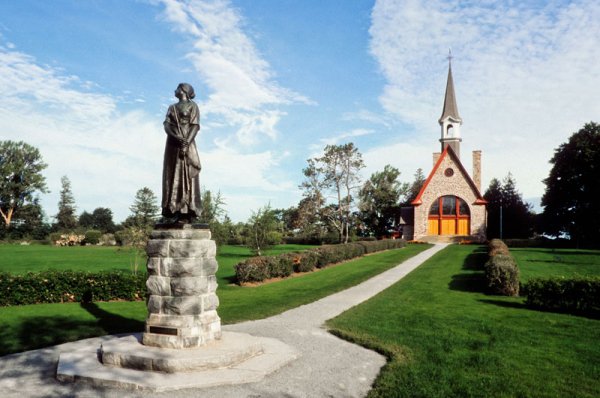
[{"x": 450, "y": 120}]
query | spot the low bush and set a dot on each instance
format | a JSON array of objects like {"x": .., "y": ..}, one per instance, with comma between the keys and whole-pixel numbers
[
  {"x": 70, "y": 286},
  {"x": 501, "y": 270},
  {"x": 580, "y": 295},
  {"x": 502, "y": 275},
  {"x": 258, "y": 269},
  {"x": 92, "y": 237},
  {"x": 496, "y": 246}
]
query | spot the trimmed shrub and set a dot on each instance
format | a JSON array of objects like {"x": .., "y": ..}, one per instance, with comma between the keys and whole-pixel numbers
[
  {"x": 580, "y": 295},
  {"x": 92, "y": 237},
  {"x": 502, "y": 275},
  {"x": 253, "y": 269},
  {"x": 70, "y": 286},
  {"x": 258, "y": 269},
  {"x": 305, "y": 261},
  {"x": 496, "y": 246}
]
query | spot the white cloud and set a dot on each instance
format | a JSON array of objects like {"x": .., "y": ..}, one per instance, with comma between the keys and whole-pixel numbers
[
  {"x": 317, "y": 148},
  {"x": 106, "y": 154},
  {"x": 524, "y": 74},
  {"x": 242, "y": 86}
]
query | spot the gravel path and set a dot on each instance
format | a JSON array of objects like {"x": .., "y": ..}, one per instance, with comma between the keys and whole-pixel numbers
[{"x": 327, "y": 367}]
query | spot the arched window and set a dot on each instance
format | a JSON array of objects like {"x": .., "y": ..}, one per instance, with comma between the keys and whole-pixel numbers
[{"x": 449, "y": 215}]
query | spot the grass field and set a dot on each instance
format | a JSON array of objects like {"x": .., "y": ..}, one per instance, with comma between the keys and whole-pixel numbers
[
  {"x": 21, "y": 259},
  {"x": 445, "y": 338},
  {"x": 34, "y": 326},
  {"x": 535, "y": 262}
]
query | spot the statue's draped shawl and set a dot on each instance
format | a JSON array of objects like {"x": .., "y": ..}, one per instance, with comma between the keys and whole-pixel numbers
[{"x": 181, "y": 185}]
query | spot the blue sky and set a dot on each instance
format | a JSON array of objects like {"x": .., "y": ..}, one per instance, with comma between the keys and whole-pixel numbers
[{"x": 88, "y": 83}]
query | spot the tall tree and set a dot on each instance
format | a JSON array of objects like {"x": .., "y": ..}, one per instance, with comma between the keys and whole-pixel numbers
[
  {"x": 340, "y": 166},
  {"x": 380, "y": 198},
  {"x": 212, "y": 207},
  {"x": 66, "y": 219},
  {"x": 21, "y": 176},
  {"x": 571, "y": 204},
  {"x": 517, "y": 218},
  {"x": 144, "y": 210},
  {"x": 101, "y": 219},
  {"x": 310, "y": 219}
]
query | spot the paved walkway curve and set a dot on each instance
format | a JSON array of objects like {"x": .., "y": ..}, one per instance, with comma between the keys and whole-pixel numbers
[{"x": 328, "y": 366}]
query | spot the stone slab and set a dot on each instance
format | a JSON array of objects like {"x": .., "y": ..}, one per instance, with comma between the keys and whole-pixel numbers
[{"x": 84, "y": 366}]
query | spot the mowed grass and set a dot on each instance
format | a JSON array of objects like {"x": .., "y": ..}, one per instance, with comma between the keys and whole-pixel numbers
[
  {"x": 445, "y": 338},
  {"x": 35, "y": 326},
  {"x": 19, "y": 259},
  {"x": 534, "y": 262}
]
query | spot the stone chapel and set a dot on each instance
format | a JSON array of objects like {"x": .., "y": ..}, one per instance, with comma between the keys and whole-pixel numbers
[{"x": 450, "y": 205}]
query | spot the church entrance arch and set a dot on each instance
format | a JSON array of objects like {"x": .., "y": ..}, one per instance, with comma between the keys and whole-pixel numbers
[{"x": 449, "y": 215}]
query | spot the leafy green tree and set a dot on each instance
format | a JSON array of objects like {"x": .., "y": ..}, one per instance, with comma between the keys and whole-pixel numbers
[
  {"x": 379, "y": 200},
  {"x": 21, "y": 176},
  {"x": 571, "y": 200},
  {"x": 66, "y": 220},
  {"x": 28, "y": 223},
  {"x": 101, "y": 219},
  {"x": 337, "y": 171},
  {"x": 212, "y": 213},
  {"x": 145, "y": 209},
  {"x": 261, "y": 231},
  {"x": 517, "y": 217}
]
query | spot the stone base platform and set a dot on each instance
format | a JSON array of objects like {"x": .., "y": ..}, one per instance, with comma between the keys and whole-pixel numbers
[{"x": 235, "y": 359}]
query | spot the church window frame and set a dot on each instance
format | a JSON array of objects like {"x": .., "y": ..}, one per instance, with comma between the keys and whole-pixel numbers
[{"x": 448, "y": 208}]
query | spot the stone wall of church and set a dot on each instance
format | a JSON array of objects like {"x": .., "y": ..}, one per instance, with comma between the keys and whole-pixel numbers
[{"x": 457, "y": 184}]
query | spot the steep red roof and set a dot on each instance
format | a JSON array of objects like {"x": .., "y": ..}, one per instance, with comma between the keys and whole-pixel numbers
[{"x": 449, "y": 152}]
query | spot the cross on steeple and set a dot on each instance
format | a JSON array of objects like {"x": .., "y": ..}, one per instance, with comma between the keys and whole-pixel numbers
[{"x": 450, "y": 56}]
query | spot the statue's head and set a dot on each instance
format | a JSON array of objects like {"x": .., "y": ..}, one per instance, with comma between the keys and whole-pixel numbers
[{"x": 185, "y": 88}]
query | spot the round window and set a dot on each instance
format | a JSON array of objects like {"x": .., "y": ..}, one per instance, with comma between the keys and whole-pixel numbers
[{"x": 449, "y": 172}]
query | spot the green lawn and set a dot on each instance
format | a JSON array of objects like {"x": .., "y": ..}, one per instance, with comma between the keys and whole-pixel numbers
[
  {"x": 445, "y": 338},
  {"x": 34, "y": 326},
  {"x": 21, "y": 259},
  {"x": 534, "y": 262}
]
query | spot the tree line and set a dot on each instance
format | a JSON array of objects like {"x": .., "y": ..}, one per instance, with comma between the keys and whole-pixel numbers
[{"x": 336, "y": 205}]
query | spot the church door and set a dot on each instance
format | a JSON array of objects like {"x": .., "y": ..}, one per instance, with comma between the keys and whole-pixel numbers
[{"x": 449, "y": 215}]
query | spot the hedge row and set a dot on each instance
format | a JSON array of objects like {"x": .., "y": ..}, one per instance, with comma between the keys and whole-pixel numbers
[
  {"x": 501, "y": 270},
  {"x": 579, "y": 295},
  {"x": 258, "y": 269},
  {"x": 70, "y": 286}
]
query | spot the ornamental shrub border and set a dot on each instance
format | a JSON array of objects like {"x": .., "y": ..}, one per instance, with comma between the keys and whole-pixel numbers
[
  {"x": 577, "y": 295},
  {"x": 258, "y": 269},
  {"x": 501, "y": 270},
  {"x": 70, "y": 286}
]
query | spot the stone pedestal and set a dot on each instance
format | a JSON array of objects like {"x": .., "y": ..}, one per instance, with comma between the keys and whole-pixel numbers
[{"x": 182, "y": 303}]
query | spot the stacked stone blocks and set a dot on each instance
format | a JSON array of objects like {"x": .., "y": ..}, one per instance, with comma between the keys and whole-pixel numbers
[{"x": 182, "y": 302}]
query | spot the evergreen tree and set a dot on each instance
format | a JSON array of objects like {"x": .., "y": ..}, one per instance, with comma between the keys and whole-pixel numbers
[
  {"x": 144, "y": 209},
  {"x": 66, "y": 220},
  {"x": 517, "y": 218}
]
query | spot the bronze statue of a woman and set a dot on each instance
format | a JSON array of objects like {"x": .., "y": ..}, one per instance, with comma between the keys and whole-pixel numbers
[{"x": 181, "y": 167}]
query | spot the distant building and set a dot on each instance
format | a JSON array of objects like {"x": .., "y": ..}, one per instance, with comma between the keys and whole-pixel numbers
[{"x": 450, "y": 203}]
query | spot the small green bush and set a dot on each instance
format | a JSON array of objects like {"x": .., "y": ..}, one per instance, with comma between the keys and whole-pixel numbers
[
  {"x": 580, "y": 295},
  {"x": 70, "y": 286},
  {"x": 502, "y": 275},
  {"x": 258, "y": 269},
  {"x": 496, "y": 246},
  {"x": 92, "y": 237}
]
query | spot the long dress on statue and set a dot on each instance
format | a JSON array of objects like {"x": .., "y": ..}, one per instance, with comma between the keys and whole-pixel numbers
[{"x": 181, "y": 183}]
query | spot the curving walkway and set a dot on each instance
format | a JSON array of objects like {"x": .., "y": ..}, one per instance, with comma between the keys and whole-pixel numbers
[{"x": 327, "y": 367}]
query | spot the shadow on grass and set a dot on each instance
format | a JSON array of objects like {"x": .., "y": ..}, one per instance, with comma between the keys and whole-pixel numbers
[
  {"x": 473, "y": 279},
  {"x": 505, "y": 304},
  {"x": 523, "y": 306},
  {"x": 44, "y": 331}
]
